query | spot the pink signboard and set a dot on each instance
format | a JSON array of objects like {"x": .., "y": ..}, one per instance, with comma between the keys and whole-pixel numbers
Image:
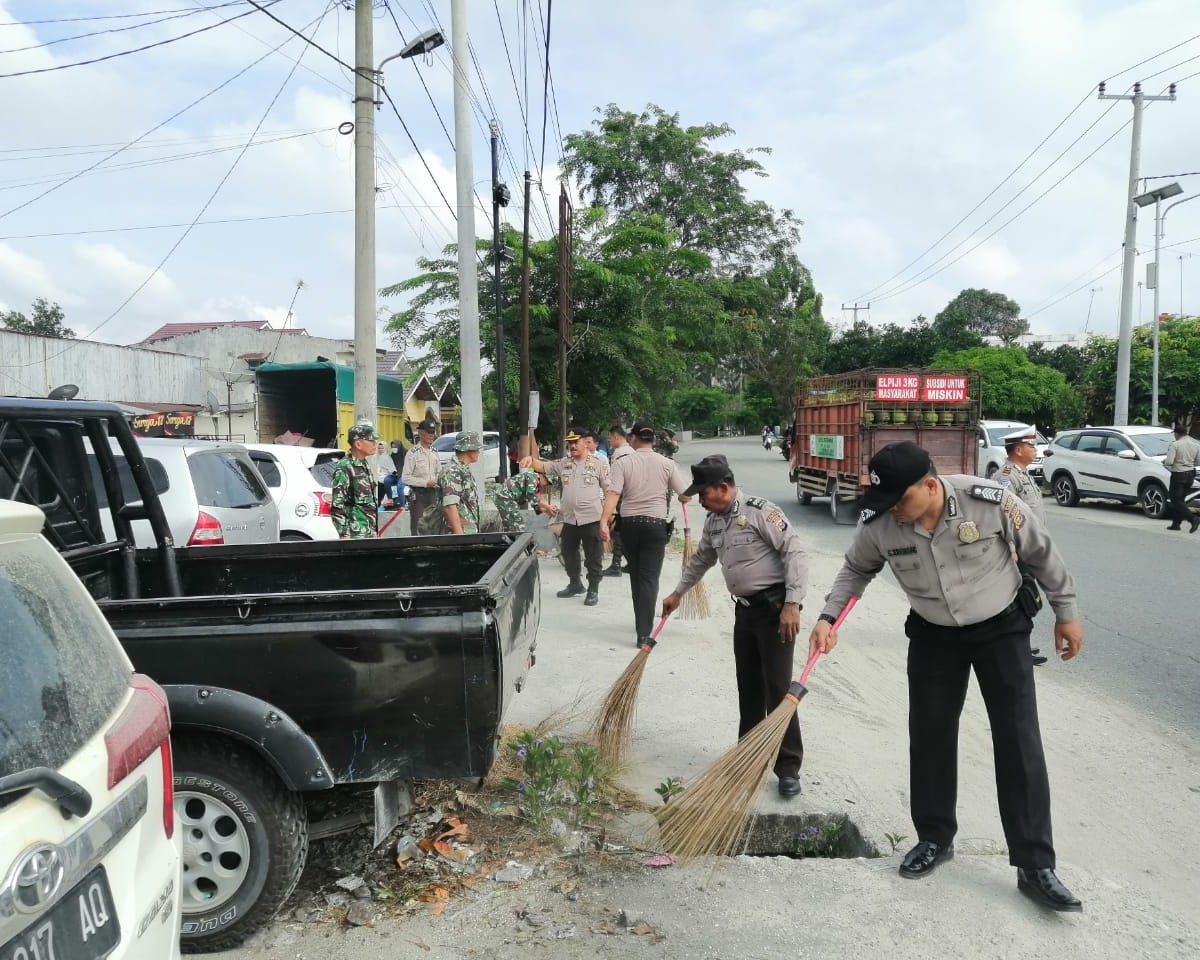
[
  {"x": 898, "y": 386},
  {"x": 951, "y": 389}
]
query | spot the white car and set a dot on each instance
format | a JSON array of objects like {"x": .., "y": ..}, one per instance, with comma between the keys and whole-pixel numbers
[
  {"x": 489, "y": 456},
  {"x": 89, "y": 852},
  {"x": 300, "y": 480},
  {"x": 991, "y": 454},
  {"x": 1111, "y": 463}
]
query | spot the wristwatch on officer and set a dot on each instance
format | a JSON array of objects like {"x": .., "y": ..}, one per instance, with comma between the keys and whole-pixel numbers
[{"x": 828, "y": 618}]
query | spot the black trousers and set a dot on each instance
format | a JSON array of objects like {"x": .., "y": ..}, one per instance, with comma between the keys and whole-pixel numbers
[
  {"x": 940, "y": 661},
  {"x": 587, "y": 535},
  {"x": 422, "y": 497},
  {"x": 1181, "y": 483},
  {"x": 763, "y": 665},
  {"x": 645, "y": 542}
]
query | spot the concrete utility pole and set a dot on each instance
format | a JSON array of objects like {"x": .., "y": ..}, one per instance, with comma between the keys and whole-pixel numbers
[
  {"x": 500, "y": 198},
  {"x": 1125, "y": 333},
  {"x": 523, "y": 402},
  {"x": 366, "y": 397},
  {"x": 470, "y": 391},
  {"x": 564, "y": 303},
  {"x": 856, "y": 308}
]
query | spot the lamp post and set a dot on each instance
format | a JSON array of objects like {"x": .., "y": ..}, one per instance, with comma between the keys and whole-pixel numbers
[
  {"x": 1157, "y": 196},
  {"x": 366, "y": 78}
]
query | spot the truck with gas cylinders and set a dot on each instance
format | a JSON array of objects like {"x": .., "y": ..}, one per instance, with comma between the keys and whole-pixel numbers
[
  {"x": 289, "y": 668},
  {"x": 842, "y": 419}
]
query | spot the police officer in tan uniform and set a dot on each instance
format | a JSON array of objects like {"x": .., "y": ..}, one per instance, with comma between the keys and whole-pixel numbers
[
  {"x": 766, "y": 571},
  {"x": 584, "y": 480},
  {"x": 950, "y": 541},
  {"x": 421, "y": 469},
  {"x": 1021, "y": 449}
]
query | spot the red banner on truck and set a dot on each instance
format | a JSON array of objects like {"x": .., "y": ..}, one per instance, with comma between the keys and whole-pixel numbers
[
  {"x": 898, "y": 386},
  {"x": 951, "y": 389}
]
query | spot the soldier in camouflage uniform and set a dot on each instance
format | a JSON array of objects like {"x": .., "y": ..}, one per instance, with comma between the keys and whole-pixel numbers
[
  {"x": 515, "y": 496},
  {"x": 352, "y": 504},
  {"x": 458, "y": 508}
]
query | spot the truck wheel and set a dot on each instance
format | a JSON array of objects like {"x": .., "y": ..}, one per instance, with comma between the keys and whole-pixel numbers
[
  {"x": 804, "y": 498},
  {"x": 245, "y": 839},
  {"x": 1153, "y": 501},
  {"x": 1065, "y": 491}
]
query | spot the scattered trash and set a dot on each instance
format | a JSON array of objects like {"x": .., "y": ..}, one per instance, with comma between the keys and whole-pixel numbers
[
  {"x": 605, "y": 928},
  {"x": 513, "y": 872},
  {"x": 568, "y": 886},
  {"x": 337, "y": 898},
  {"x": 531, "y": 918},
  {"x": 660, "y": 860},
  {"x": 623, "y": 919},
  {"x": 407, "y": 849},
  {"x": 642, "y": 929},
  {"x": 439, "y": 897},
  {"x": 564, "y": 933},
  {"x": 349, "y": 883}
]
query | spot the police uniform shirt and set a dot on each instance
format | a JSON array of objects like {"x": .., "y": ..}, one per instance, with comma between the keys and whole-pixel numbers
[
  {"x": 1182, "y": 454},
  {"x": 583, "y": 485},
  {"x": 963, "y": 571},
  {"x": 1016, "y": 479},
  {"x": 756, "y": 547},
  {"x": 642, "y": 481},
  {"x": 617, "y": 453},
  {"x": 420, "y": 466}
]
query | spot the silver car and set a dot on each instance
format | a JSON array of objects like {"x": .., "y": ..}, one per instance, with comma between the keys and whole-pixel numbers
[{"x": 211, "y": 493}]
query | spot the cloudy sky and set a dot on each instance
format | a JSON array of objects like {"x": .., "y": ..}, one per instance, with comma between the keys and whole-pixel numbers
[{"x": 905, "y": 135}]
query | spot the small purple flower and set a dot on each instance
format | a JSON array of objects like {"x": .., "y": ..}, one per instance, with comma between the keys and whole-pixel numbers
[
  {"x": 538, "y": 742},
  {"x": 520, "y": 788},
  {"x": 521, "y": 753}
]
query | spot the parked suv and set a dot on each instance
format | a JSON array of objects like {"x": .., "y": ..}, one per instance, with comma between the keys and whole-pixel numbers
[
  {"x": 89, "y": 854},
  {"x": 301, "y": 483},
  {"x": 1111, "y": 463},
  {"x": 991, "y": 455},
  {"x": 211, "y": 493}
]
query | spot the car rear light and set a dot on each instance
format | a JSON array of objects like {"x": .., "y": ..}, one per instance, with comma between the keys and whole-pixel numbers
[
  {"x": 324, "y": 500},
  {"x": 143, "y": 727},
  {"x": 207, "y": 531}
]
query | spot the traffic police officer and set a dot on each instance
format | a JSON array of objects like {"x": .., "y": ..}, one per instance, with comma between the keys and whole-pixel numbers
[
  {"x": 584, "y": 479},
  {"x": 640, "y": 484},
  {"x": 1183, "y": 455},
  {"x": 766, "y": 571},
  {"x": 950, "y": 542},
  {"x": 420, "y": 473},
  {"x": 352, "y": 504},
  {"x": 1021, "y": 449}
]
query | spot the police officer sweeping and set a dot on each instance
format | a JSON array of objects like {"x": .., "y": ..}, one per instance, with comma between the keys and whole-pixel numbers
[
  {"x": 950, "y": 542},
  {"x": 766, "y": 571}
]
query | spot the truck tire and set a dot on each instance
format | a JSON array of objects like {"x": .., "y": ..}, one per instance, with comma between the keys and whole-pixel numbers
[
  {"x": 245, "y": 839},
  {"x": 804, "y": 498},
  {"x": 1152, "y": 498}
]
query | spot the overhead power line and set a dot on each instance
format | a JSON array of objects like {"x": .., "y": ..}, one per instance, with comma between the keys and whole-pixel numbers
[
  {"x": 112, "y": 16},
  {"x": 308, "y": 40},
  {"x": 100, "y": 33},
  {"x": 126, "y": 53}
]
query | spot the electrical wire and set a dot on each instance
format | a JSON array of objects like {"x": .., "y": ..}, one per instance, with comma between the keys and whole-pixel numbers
[
  {"x": 417, "y": 149},
  {"x": 1161, "y": 53},
  {"x": 125, "y": 53},
  {"x": 99, "y": 33},
  {"x": 307, "y": 40},
  {"x": 89, "y": 149},
  {"x": 157, "y": 126},
  {"x": 211, "y": 197},
  {"x": 111, "y": 16}
]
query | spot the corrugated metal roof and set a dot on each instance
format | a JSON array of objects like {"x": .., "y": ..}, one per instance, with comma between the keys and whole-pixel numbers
[{"x": 168, "y": 330}]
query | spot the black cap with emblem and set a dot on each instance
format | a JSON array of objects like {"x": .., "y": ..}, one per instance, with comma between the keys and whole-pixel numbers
[
  {"x": 708, "y": 472},
  {"x": 893, "y": 469}
]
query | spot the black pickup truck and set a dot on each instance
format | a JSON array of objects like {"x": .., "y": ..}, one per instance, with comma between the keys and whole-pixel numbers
[{"x": 289, "y": 667}]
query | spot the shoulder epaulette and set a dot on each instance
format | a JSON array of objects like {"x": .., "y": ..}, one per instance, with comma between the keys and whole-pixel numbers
[
  {"x": 988, "y": 493},
  {"x": 758, "y": 502}
]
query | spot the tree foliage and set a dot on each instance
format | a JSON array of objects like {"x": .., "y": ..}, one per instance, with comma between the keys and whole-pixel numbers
[
  {"x": 45, "y": 320},
  {"x": 1178, "y": 373},
  {"x": 983, "y": 314}
]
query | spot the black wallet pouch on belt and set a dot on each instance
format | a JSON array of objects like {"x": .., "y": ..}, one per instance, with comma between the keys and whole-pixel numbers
[{"x": 1028, "y": 595}]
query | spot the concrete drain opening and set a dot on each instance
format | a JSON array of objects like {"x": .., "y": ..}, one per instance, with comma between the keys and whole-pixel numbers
[{"x": 807, "y": 835}]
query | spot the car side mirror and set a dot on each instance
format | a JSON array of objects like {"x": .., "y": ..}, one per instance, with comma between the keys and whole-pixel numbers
[{"x": 1126, "y": 454}]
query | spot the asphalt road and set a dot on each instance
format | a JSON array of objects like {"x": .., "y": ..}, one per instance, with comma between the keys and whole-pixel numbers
[{"x": 1136, "y": 586}]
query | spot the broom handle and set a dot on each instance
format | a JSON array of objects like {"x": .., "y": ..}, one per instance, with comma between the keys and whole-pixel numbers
[
  {"x": 653, "y": 638},
  {"x": 817, "y": 653},
  {"x": 683, "y": 507}
]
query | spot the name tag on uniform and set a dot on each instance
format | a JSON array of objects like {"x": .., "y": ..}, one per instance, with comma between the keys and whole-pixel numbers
[{"x": 901, "y": 551}]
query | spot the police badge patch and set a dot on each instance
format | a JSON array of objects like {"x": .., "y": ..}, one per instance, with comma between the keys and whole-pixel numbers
[{"x": 968, "y": 532}]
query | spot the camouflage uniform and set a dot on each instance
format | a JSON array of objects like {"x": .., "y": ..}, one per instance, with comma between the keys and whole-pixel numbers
[
  {"x": 352, "y": 504},
  {"x": 458, "y": 489},
  {"x": 513, "y": 498}
]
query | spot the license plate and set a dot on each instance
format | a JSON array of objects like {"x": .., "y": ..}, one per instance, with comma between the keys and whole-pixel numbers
[{"x": 83, "y": 926}]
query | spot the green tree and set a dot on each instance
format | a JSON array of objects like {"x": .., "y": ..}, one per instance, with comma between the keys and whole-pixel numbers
[
  {"x": 1014, "y": 388},
  {"x": 1072, "y": 362},
  {"x": 982, "y": 313},
  {"x": 45, "y": 320},
  {"x": 697, "y": 408},
  {"x": 1178, "y": 376}
]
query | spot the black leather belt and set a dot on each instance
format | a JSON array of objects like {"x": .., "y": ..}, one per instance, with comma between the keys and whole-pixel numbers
[
  {"x": 661, "y": 520},
  {"x": 768, "y": 595},
  {"x": 1008, "y": 611}
]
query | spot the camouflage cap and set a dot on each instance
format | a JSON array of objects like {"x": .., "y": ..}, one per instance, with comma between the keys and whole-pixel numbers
[
  {"x": 362, "y": 431},
  {"x": 468, "y": 440}
]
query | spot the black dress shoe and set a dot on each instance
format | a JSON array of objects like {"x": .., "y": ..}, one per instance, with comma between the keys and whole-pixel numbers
[
  {"x": 613, "y": 571},
  {"x": 1195, "y": 523},
  {"x": 1174, "y": 526},
  {"x": 591, "y": 599},
  {"x": 1042, "y": 886},
  {"x": 1035, "y": 650},
  {"x": 1038, "y": 660},
  {"x": 923, "y": 859},
  {"x": 573, "y": 589},
  {"x": 789, "y": 787}
]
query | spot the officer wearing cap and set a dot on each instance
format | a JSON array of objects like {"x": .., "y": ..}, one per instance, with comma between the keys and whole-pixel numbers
[
  {"x": 1013, "y": 475},
  {"x": 352, "y": 503},
  {"x": 584, "y": 479},
  {"x": 459, "y": 496},
  {"x": 1183, "y": 455},
  {"x": 641, "y": 484},
  {"x": 766, "y": 571},
  {"x": 420, "y": 474},
  {"x": 950, "y": 542}
]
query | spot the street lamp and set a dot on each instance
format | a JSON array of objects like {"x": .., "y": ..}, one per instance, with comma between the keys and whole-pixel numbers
[
  {"x": 1157, "y": 196},
  {"x": 366, "y": 78}
]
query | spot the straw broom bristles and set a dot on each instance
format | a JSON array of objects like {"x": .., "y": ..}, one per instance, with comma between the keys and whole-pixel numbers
[
  {"x": 694, "y": 604},
  {"x": 612, "y": 730},
  {"x": 712, "y": 816}
]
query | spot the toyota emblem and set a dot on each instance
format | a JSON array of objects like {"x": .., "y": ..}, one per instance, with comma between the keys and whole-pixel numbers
[{"x": 37, "y": 877}]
